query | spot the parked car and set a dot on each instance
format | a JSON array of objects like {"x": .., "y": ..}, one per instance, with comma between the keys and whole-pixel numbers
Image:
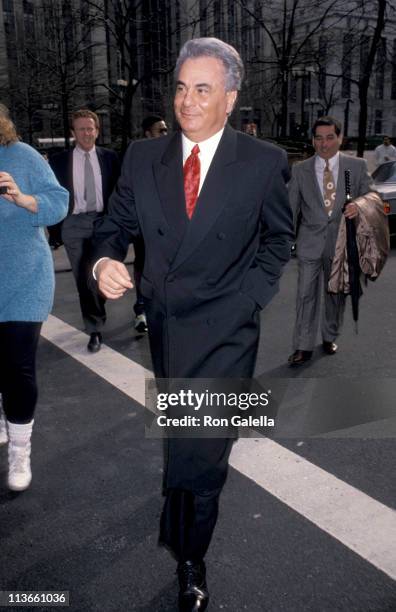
[{"x": 385, "y": 182}]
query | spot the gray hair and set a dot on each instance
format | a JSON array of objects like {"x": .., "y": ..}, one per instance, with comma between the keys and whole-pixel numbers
[{"x": 214, "y": 47}]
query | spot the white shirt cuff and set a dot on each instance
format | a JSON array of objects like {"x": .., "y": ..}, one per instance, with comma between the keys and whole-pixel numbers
[{"x": 95, "y": 266}]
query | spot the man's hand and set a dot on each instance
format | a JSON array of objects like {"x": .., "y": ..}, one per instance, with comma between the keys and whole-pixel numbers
[
  {"x": 351, "y": 211},
  {"x": 113, "y": 278}
]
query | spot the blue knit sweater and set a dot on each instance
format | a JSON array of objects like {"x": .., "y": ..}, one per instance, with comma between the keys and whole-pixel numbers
[{"x": 26, "y": 268}]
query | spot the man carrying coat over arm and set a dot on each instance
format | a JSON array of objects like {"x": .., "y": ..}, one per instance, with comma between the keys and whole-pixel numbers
[{"x": 211, "y": 204}]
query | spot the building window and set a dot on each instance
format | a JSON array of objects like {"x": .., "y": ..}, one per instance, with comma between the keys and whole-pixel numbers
[
  {"x": 203, "y": 17},
  {"x": 8, "y": 6},
  {"x": 28, "y": 8},
  {"x": 293, "y": 90},
  {"x": 378, "y": 121}
]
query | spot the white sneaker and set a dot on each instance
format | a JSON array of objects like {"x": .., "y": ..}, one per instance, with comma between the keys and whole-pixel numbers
[
  {"x": 19, "y": 472},
  {"x": 3, "y": 426},
  {"x": 19, "y": 448},
  {"x": 141, "y": 323}
]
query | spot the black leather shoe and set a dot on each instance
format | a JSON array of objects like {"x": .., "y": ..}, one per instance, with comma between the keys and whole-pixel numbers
[
  {"x": 299, "y": 357},
  {"x": 193, "y": 594},
  {"x": 95, "y": 342},
  {"x": 329, "y": 347}
]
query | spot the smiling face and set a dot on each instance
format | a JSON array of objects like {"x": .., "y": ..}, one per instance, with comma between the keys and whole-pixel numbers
[
  {"x": 202, "y": 103},
  {"x": 85, "y": 132},
  {"x": 326, "y": 142}
]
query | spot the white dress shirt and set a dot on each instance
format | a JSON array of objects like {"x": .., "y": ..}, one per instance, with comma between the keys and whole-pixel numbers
[
  {"x": 80, "y": 205},
  {"x": 207, "y": 149},
  {"x": 320, "y": 164}
]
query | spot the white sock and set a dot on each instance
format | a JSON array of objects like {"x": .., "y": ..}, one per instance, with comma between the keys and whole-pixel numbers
[{"x": 20, "y": 434}]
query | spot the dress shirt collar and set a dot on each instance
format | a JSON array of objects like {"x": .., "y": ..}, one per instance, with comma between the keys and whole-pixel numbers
[
  {"x": 82, "y": 152},
  {"x": 333, "y": 161},
  {"x": 207, "y": 148}
]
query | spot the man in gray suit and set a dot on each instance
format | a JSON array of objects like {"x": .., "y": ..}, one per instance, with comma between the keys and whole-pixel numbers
[{"x": 317, "y": 196}]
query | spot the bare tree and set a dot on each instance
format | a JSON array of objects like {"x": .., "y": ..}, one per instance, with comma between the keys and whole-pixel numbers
[
  {"x": 291, "y": 45},
  {"x": 142, "y": 38},
  {"x": 368, "y": 46},
  {"x": 364, "y": 81},
  {"x": 62, "y": 55}
]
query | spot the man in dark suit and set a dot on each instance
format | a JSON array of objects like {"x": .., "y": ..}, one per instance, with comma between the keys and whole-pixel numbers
[
  {"x": 212, "y": 206},
  {"x": 89, "y": 173},
  {"x": 317, "y": 196}
]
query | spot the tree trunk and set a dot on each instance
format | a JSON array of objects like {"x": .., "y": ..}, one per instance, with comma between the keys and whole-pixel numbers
[
  {"x": 364, "y": 82},
  {"x": 284, "y": 103},
  {"x": 65, "y": 118}
]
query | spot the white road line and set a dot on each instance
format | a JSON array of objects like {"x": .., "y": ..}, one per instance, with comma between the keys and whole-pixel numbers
[
  {"x": 121, "y": 372},
  {"x": 358, "y": 521}
]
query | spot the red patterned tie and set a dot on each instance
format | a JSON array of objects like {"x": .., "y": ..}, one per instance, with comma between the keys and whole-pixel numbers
[{"x": 191, "y": 171}]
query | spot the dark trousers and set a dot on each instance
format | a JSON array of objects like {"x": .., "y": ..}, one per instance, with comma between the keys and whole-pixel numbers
[
  {"x": 77, "y": 232},
  {"x": 18, "y": 385},
  {"x": 190, "y": 510},
  {"x": 138, "y": 264},
  {"x": 55, "y": 234},
  {"x": 187, "y": 523}
]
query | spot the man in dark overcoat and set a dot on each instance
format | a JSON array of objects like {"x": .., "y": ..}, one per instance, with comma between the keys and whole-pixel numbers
[{"x": 212, "y": 206}]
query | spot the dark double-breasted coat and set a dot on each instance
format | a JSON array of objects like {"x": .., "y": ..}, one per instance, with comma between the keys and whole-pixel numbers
[{"x": 204, "y": 279}]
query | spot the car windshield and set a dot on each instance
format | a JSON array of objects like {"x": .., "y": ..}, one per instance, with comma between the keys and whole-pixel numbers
[{"x": 385, "y": 173}]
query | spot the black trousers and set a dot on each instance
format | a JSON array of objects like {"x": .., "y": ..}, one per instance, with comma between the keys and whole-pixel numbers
[
  {"x": 77, "y": 232},
  {"x": 18, "y": 385},
  {"x": 190, "y": 510}
]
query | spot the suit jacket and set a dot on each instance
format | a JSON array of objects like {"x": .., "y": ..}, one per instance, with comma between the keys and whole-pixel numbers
[
  {"x": 205, "y": 279},
  {"x": 62, "y": 165},
  {"x": 317, "y": 232}
]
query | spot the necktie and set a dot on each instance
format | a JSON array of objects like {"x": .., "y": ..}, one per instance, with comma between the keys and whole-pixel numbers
[
  {"x": 89, "y": 185},
  {"x": 191, "y": 171},
  {"x": 329, "y": 189}
]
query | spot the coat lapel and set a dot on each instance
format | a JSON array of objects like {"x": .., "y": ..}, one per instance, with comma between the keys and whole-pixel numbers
[
  {"x": 103, "y": 172},
  {"x": 212, "y": 198},
  {"x": 168, "y": 174},
  {"x": 317, "y": 194},
  {"x": 340, "y": 195}
]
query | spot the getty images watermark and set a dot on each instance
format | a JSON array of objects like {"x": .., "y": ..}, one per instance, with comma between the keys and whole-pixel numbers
[
  {"x": 279, "y": 408},
  {"x": 206, "y": 408}
]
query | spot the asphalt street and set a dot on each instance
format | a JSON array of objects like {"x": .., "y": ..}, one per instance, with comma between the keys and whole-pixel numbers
[{"x": 307, "y": 523}]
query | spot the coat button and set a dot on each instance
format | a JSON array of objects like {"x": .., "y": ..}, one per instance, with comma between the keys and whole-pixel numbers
[
  {"x": 161, "y": 231},
  {"x": 221, "y": 235}
]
